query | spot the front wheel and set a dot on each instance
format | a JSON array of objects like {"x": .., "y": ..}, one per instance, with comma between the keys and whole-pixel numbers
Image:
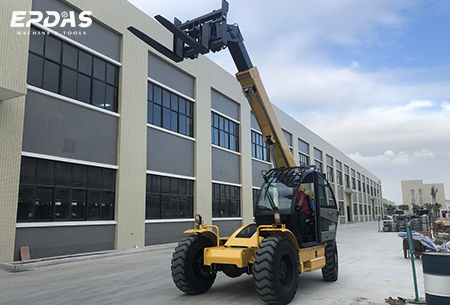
[
  {"x": 275, "y": 270},
  {"x": 189, "y": 273},
  {"x": 330, "y": 271}
]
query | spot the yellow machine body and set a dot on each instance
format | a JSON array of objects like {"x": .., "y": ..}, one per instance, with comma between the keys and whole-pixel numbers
[{"x": 240, "y": 251}]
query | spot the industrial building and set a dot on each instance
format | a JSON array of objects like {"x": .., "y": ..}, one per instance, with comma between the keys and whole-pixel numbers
[
  {"x": 106, "y": 144},
  {"x": 418, "y": 193}
]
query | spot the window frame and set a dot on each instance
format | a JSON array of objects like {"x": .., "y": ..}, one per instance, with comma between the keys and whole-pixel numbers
[
  {"x": 105, "y": 191},
  {"x": 82, "y": 93}
]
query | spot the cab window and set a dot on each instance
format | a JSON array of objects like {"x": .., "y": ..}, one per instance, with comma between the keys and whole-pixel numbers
[{"x": 326, "y": 198}]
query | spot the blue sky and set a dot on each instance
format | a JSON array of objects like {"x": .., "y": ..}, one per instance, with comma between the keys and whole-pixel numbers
[{"x": 371, "y": 77}]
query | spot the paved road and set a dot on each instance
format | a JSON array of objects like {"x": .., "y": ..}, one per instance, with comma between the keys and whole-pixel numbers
[{"x": 371, "y": 268}]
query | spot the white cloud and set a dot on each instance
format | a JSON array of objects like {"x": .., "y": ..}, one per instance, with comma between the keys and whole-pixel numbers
[{"x": 424, "y": 153}]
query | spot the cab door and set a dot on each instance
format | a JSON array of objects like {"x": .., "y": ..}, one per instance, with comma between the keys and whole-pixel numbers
[{"x": 328, "y": 210}]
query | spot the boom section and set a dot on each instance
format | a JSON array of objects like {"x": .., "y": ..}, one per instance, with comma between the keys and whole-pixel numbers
[{"x": 258, "y": 99}]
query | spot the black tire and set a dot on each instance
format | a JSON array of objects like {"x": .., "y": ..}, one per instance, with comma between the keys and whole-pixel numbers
[
  {"x": 275, "y": 270},
  {"x": 331, "y": 270},
  {"x": 189, "y": 273}
]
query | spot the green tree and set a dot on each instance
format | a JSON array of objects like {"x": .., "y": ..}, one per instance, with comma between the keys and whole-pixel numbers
[
  {"x": 436, "y": 208},
  {"x": 415, "y": 208},
  {"x": 390, "y": 209},
  {"x": 404, "y": 207}
]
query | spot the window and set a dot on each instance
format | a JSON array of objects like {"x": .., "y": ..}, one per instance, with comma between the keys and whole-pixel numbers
[
  {"x": 353, "y": 179},
  {"x": 330, "y": 169},
  {"x": 224, "y": 132},
  {"x": 318, "y": 159},
  {"x": 347, "y": 177},
  {"x": 168, "y": 197},
  {"x": 420, "y": 197},
  {"x": 325, "y": 196},
  {"x": 339, "y": 172},
  {"x": 358, "y": 175},
  {"x": 62, "y": 68},
  {"x": 259, "y": 147},
  {"x": 303, "y": 152},
  {"x": 226, "y": 200},
  {"x": 59, "y": 191},
  {"x": 413, "y": 196},
  {"x": 169, "y": 111}
]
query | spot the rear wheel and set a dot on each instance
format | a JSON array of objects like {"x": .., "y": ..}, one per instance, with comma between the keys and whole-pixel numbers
[
  {"x": 189, "y": 273},
  {"x": 275, "y": 270},
  {"x": 330, "y": 271}
]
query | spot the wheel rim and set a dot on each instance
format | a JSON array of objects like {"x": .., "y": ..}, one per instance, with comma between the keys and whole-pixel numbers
[
  {"x": 200, "y": 270},
  {"x": 285, "y": 271}
]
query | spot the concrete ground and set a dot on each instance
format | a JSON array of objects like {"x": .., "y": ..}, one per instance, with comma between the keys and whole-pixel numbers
[{"x": 371, "y": 268}]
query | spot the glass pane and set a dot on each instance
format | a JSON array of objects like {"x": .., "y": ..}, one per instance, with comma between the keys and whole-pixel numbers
[
  {"x": 45, "y": 172},
  {"x": 166, "y": 98},
  {"x": 190, "y": 207},
  {"x": 111, "y": 96},
  {"x": 84, "y": 88},
  {"x": 53, "y": 48},
  {"x": 78, "y": 204},
  {"x": 155, "y": 206},
  {"x": 150, "y": 92},
  {"x": 51, "y": 76},
  {"x": 36, "y": 41},
  {"x": 98, "y": 93},
  {"x": 43, "y": 203},
  {"x": 99, "y": 69},
  {"x": 166, "y": 118},
  {"x": 189, "y": 127},
  {"x": 62, "y": 204},
  {"x": 28, "y": 171},
  {"x": 174, "y": 186},
  {"x": 70, "y": 56},
  {"x": 165, "y": 207},
  {"x": 79, "y": 176},
  {"x": 182, "y": 105},
  {"x": 174, "y": 121},
  {"x": 225, "y": 206},
  {"x": 94, "y": 204},
  {"x": 111, "y": 74},
  {"x": 182, "y": 187},
  {"x": 156, "y": 184},
  {"x": 95, "y": 177},
  {"x": 35, "y": 70},
  {"x": 216, "y": 207},
  {"x": 107, "y": 205},
  {"x": 189, "y": 108},
  {"x": 85, "y": 63},
  {"x": 157, "y": 95},
  {"x": 216, "y": 120},
  {"x": 182, "y": 127},
  {"x": 69, "y": 83},
  {"x": 150, "y": 112},
  {"x": 148, "y": 202},
  {"x": 108, "y": 177},
  {"x": 63, "y": 174},
  {"x": 189, "y": 187},
  {"x": 235, "y": 208},
  {"x": 182, "y": 207},
  {"x": 157, "y": 115},
  {"x": 25, "y": 205},
  {"x": 165, "y": 185},
  {"x": 174, "y": 102},
  {"x": 174, "y": 210}
]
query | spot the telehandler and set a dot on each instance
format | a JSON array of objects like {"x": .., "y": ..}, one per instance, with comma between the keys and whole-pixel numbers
[{"x": 282, "y": 243}]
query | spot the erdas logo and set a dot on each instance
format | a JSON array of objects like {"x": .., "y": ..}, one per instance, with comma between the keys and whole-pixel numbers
[{"x": 52, "y": 19}]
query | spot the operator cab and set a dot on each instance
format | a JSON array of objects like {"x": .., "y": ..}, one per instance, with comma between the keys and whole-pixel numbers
[{"x": 280, "y": 194}]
